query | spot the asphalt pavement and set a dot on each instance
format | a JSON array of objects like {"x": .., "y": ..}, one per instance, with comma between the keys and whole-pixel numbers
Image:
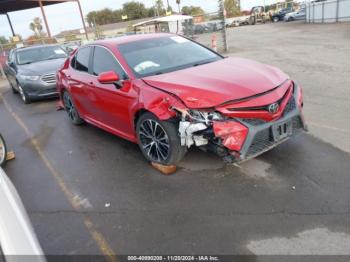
[{"x": 89, "y": 192}]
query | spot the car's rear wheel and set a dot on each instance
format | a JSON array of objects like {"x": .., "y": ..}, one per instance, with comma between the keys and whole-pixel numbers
[
  {"x": 71, "y": 109},
  {"x": 3, "y": 151},
  {"x": 158, "y": 140},
  {"x": 276, "y": 19},
  {"x": 25, "y": 98}
]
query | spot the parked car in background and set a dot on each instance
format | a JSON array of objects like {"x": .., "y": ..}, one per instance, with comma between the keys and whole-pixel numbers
[
  {"x": 18, "y": 241},
  {"x": 297, "y": 15},
  {"x": 31, "y": 71},
  {"x": 168, "y": 93},
  {"x": 70, "y": 46},
  {"x": 279, "y": 16}
]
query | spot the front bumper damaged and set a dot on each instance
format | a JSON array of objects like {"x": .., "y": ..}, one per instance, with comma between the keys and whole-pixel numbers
[{"x": 234, "y": 144}]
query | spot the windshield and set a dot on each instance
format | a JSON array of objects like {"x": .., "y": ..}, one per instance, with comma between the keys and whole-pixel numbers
[
  {"x": 32, "y": 55},
  {"x": 165, "y": 54}
]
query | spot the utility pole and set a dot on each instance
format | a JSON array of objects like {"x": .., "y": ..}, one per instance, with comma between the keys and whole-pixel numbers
[{"x": 222, "y": 14}]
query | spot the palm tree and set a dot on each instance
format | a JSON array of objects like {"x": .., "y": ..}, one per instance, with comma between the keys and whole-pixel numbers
[
  {"x": 36, "y": 26},
  {"x": 178, "y": 3}
]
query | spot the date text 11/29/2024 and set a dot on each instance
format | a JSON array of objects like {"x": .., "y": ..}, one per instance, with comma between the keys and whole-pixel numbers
[{"x": 173, "y": 258}]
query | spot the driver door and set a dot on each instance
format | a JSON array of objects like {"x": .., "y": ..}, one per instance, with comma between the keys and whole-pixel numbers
[{"x": 111, "y": 102}]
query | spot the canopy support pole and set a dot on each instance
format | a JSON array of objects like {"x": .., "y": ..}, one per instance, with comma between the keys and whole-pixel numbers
[
  {"x": 10, "y": 23},
  {"x": 82, "y": 19},
  {"x": 45, "y": 20}
]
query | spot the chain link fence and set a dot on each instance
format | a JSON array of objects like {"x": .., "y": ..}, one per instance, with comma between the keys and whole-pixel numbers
[{"x": 207, "y": 29}]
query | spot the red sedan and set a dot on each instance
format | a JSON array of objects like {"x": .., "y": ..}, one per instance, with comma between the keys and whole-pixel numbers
[{"x": 168, "y": 93}]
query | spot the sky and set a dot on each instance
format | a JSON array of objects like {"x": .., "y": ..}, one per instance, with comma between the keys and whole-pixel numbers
[{"x": 66, "y": 16}]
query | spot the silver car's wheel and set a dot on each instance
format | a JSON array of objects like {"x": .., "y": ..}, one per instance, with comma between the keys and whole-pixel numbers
[
  {"x": 23, "y": 95},
  {"x": 3, "y": 151},
  {"x": 154, "y": 140}
]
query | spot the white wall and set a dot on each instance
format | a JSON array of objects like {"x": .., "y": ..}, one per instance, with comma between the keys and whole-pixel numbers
[{"x": 328, "y": 12}]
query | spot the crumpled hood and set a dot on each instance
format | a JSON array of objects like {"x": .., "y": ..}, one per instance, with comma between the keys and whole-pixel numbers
[
  {"x": 42, "y": 67},
  {"x": 213, "y": 84}
]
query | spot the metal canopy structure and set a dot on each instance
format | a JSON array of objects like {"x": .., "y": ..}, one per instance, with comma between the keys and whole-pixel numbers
[{"x": 7, "y": 6}]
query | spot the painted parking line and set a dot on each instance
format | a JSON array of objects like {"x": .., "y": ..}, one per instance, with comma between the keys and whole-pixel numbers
[{"x": 75, "y": 203}]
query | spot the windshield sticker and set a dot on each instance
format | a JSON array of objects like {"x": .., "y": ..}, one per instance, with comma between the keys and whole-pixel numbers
[
  {"x": 59, "y": 52},
  {"x": 145, "y": 65},
  {"x": 179, "y": 39}
]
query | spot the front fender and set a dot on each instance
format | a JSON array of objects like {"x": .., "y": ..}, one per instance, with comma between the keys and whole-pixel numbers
[{"x": 158, "y": 102}]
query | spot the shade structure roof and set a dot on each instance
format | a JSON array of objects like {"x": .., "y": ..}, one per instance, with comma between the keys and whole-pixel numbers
[
  {"x": 7, "y": 6},
  {"x": 170, "y": 18}
]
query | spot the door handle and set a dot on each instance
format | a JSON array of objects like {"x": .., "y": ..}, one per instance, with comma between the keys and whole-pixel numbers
[{"x": 91, "y": 83}]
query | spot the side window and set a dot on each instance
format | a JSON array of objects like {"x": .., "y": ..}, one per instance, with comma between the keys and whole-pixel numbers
[
  {"x": 72, "y": 62},
  {"x": 104, "y": 61},
  {"x": 82, "y": 59},
  {"x": 11, "y": 56}
]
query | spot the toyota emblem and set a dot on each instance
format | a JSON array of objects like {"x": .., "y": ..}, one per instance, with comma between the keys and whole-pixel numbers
[{"x": 273, "y": 108}]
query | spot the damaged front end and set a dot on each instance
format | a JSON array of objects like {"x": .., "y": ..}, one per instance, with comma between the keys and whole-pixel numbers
[
  {"x": 211, "y": 131},
  {"x": 237, "y": 134}
]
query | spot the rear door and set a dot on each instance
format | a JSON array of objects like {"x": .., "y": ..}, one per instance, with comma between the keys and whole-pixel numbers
[
  {"x": 112, "y": 103},
  {"x": 300, "y": 15}
]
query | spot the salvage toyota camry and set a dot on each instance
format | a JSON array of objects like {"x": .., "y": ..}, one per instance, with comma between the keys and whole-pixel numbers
[{"x": 168, "y": 93}]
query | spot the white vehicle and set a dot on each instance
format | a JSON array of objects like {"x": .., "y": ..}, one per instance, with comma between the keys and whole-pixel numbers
[{"x": 17, "y": 237}]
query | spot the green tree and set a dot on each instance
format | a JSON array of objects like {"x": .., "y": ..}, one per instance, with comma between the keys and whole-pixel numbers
[
  {"x": 37, "y": 27},
  {"x": 192, "y": 10},
  {"x": 135, "y": 10},
  {"x": 232, "y": 8},
  {"x": 3, "y": 40},
  {"x": 160, "y": 8}
]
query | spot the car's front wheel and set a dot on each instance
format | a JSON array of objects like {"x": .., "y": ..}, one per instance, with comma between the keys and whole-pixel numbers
[
  {"x": 25, "y": 98},
  {"x": 276, "y": 19},
  {"x": 158, "y": 140},
  {"x": 71, "y": 109}
]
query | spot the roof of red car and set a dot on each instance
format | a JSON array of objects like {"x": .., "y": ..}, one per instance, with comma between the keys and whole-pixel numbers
[{"x": 130, "y": 38}]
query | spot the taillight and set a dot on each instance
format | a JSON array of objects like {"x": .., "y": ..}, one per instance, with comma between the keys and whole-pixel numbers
[{"x": 232, "y": 133}]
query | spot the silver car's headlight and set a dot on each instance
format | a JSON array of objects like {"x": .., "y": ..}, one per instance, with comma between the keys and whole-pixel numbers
[{"x": 30, "y": 78}]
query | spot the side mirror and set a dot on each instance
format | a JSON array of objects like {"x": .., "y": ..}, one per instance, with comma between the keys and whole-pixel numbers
[{"x": 109, "y": 77}]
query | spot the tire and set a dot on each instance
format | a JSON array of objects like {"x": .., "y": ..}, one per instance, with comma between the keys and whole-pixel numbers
[
  {"x": 25, "y": 98},
  {"x": 71, "y": 109},
  {"x": 159, "y": 141},
  {"x": 275, "y": 19},
  {"x": 3, "y": 151},
  {"x": 14, "y": 90},
  {"x": 252, "y": 20}
]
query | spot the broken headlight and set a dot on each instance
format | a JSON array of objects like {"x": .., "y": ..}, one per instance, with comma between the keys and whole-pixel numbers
[{"x": 204, "y": 116}]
